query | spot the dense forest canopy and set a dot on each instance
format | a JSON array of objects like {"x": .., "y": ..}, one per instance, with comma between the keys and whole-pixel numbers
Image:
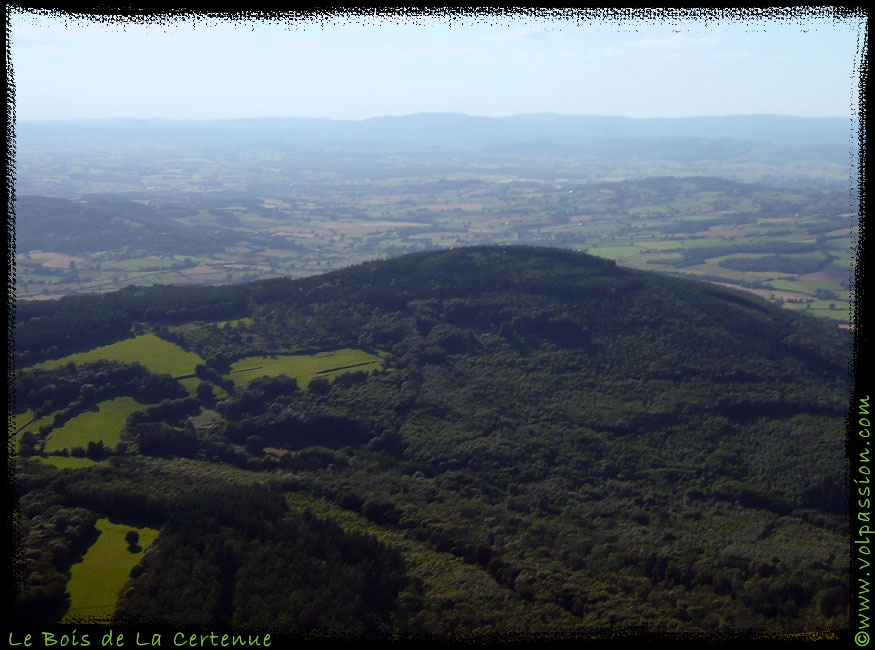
[{"x": 550, "y": 443}]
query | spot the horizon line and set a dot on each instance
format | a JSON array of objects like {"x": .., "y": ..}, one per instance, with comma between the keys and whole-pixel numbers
[{"x": 420, "y": 114}]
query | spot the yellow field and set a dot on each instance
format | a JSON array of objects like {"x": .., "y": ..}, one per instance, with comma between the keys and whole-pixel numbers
[
  {"x": 96, "y": 581},
  {"x": 65, "y": 462}
]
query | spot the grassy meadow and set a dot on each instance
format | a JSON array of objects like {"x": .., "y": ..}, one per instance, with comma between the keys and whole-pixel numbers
[
  {"x": 158, "y": 355},
  {"x": 105, "y": 423}
]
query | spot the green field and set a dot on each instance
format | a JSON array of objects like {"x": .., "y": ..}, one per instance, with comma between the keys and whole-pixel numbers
[
  {"x": 25, "y": 422},
  {"x": 804, "y": 286},
  {"x": 830, "y": 305},
  {"x": 787, "y": 285},
  {"x": 18, "y": 420},
  {"x": 192, "y": 383},
  {"x": 104, "y": 424},
  {"x": 701, "y": 242},
  {"x": 658, "y": 245},
  {"x": 814, "y": 286},
  {"x": 158, "y": 355},
  {"x": 615, "y": 252},
  {"x": 303, "y": 367},
  {"x": 239, "y": 321},
  {"x": 840, "y": 314},
  {"x": 831, "y": 314},
  {"x": 96, "y": 581}
]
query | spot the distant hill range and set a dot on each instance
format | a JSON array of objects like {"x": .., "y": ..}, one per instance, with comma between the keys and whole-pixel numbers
[{"x": 455, "y": 128}]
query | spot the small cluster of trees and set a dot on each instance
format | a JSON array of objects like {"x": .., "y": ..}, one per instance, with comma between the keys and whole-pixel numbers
[
  {"x": 72, "y": 387},
  {"x": 50, "y": 541}
]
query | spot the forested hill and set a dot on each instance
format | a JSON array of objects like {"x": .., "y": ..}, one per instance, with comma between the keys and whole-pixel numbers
[
  {"x": 542, "y": 441},
  {"x": 516, "y": 291}
]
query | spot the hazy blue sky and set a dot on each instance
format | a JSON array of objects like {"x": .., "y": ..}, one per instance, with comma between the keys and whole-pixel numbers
[{"x": 354, "y": 68}]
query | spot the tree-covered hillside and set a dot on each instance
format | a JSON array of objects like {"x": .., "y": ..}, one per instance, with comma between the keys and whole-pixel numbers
[{"x": 551, "y": 443}]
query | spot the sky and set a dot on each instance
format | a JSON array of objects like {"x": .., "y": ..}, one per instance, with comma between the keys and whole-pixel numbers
[{"x": 355, "y": 67}]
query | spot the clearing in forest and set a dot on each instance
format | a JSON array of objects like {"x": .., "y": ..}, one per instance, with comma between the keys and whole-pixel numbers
[{"x": 304, "y": 367}]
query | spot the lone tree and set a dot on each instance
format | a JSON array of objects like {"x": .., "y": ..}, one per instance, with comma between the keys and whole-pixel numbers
[
  {"x": 255, "y": 445},
  {"x": 319, "y": 386},
  {"x": 27, "y": 444},
  {"x": 132, "y": 537},
  {"x": 205, "y": 393}
]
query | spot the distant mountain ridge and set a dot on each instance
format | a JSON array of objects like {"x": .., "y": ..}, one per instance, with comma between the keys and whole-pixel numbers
[{"x": 446, "y": 128}]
